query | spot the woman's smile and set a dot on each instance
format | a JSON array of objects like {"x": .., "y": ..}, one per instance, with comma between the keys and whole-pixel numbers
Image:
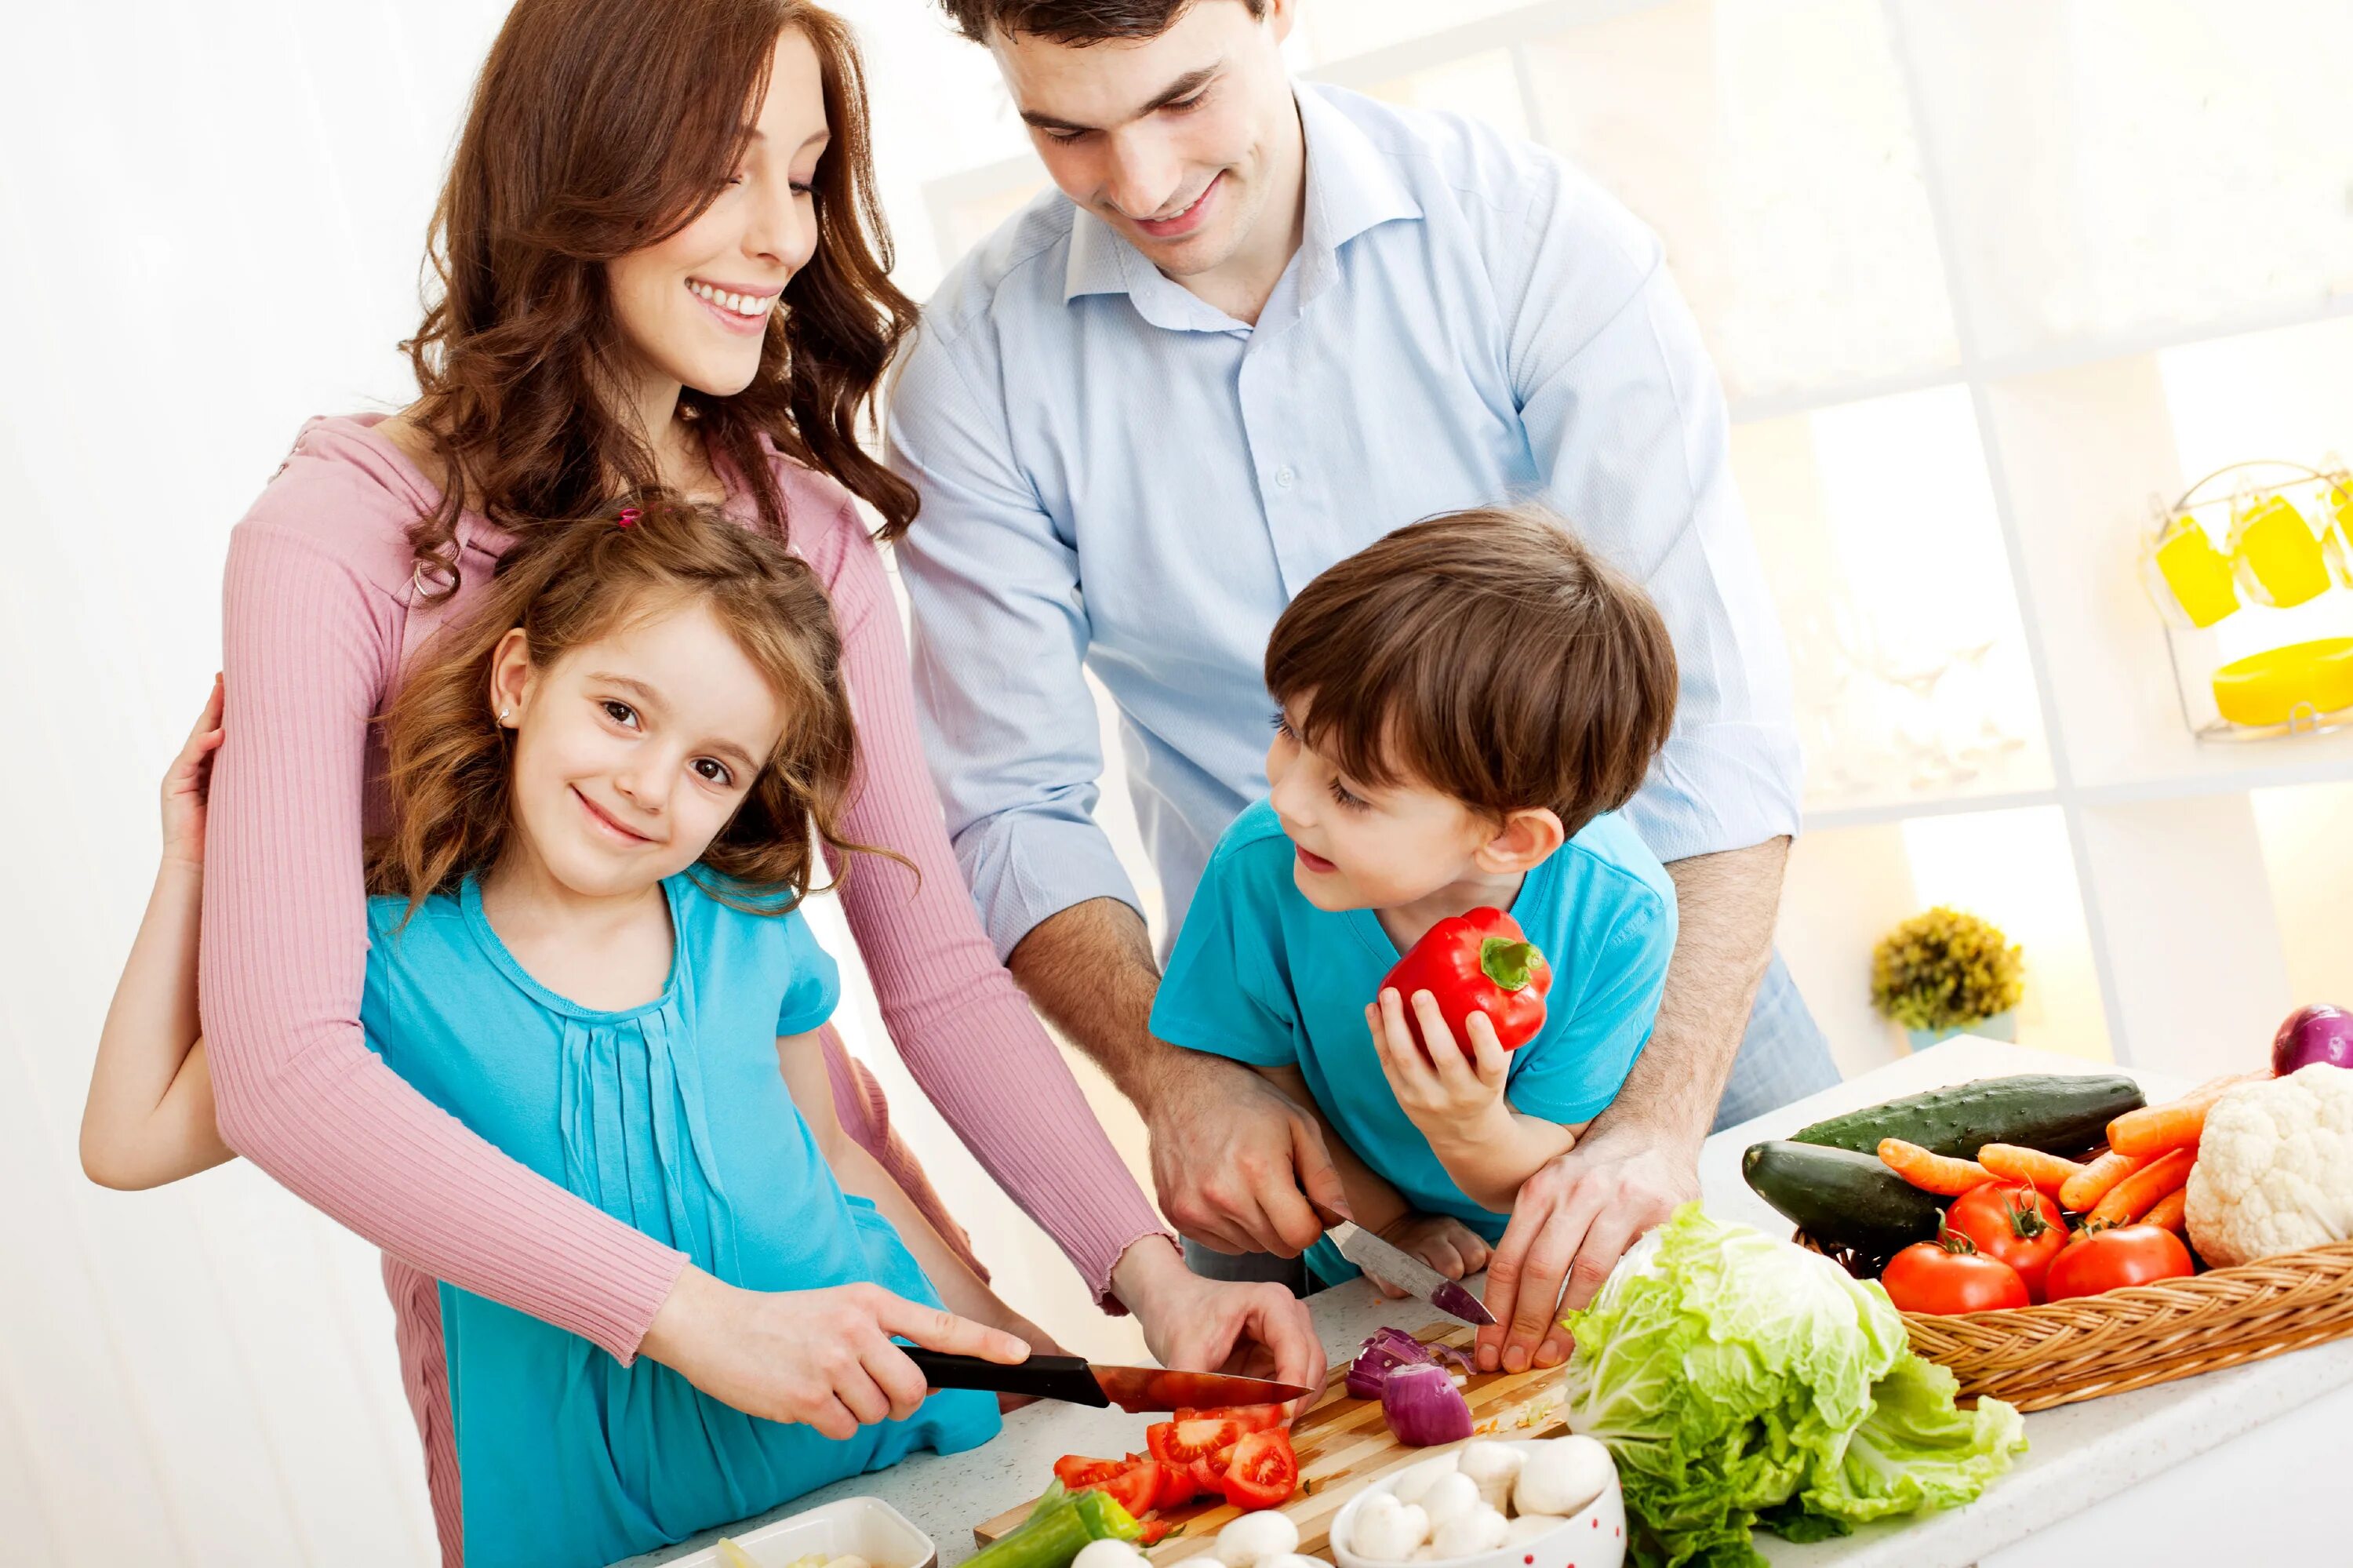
[{"x": 741, "y": 310}]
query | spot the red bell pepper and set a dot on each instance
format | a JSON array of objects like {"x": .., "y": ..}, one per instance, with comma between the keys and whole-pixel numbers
[{"x": 1480, "y": 962}]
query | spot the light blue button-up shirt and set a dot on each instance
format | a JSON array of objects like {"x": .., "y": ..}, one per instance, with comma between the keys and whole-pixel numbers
[{"x": 1117, "y": 475}]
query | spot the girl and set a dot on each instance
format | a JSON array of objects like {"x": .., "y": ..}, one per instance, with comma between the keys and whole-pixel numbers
[
  {"x": 584, "y": 945},
  {"x": 658, "y": 264}
]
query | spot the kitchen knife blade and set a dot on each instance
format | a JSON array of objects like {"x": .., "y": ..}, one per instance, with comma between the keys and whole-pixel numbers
[
  {"x": 1407, "y": 1273},
  {"x": 1077, "y": 1381}
]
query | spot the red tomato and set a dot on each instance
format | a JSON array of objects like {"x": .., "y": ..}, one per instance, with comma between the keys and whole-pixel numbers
[
  {"x": 1155, "y": 1437},
  {"x": 2012, "y": 1222},
  {"x": 1177, "y": 1488},
  {"x": 1155, "y": 1531},
  {"x": 1133, "y": 1489},
  {"x": 1204, "y": 1434},
  {"x": 1208, "y": 1471},
  {"x": 1263, "y": 1472},
  {"x": 1078, "y": 1472},
  {"x": 2113, "y": 1259},
  {"x": 1248, "y": 1417},
  {"x": 1927, "y": 1278}
]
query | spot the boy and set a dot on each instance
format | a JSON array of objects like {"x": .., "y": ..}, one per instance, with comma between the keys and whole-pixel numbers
[{"x": 1461, "y": 709}]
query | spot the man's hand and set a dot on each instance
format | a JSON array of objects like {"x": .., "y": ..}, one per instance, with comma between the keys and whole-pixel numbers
[
  {"x": 1207, "y": 1325},
  {"x": 1576, "y": 1217},
  {"x": 1441, "y": 1240},
  {"x": 1238, "y": 1167}
]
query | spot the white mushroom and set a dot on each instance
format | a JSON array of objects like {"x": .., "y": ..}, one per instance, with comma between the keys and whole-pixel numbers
[
  {"x": 1255, "y": 1537},
  {"x": 1563, "y": 1476},
  {"x": 1386, "y": 1531},
  {"x": 1452, "y": 1493},
  {"x": 1494, "y": 1466},
  {"x": 1414, "y": 1479},
  {"x": 1475, "y": 1529},
  {"x": 1106, "y": 1554},
  {"x": 1292, "y": 1560},
  {"x": 1528, "y": 1526}
]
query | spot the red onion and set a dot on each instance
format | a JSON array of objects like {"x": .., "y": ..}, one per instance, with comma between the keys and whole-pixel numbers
[
  {"x": 2317, "y": 1034},
  {"x": 1422, "y": 1406},
  {"x": 1389, "y": 1348}
]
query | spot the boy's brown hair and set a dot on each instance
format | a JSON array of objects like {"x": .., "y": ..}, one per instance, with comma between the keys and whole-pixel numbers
[
  {"x": 449, "y": 765},
  {"x": 1487, "y": 654},
  {"x": 1079, "y": 22}
]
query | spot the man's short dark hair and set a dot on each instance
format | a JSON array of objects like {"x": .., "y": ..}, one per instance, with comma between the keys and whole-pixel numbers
[
  {"x": 1072, "y": 21},
  {"x": 1488, "y": 654}
]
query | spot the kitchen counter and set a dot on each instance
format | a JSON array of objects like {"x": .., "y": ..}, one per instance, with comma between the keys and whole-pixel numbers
[{"x": 2199, "y": 1470}]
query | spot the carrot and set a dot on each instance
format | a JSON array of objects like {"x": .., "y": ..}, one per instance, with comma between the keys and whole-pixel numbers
[
  {"x": 2170, "y": 1212},
  {"x": 2085, "y": 1191},
  {"x": 1929, "y": 1171},
  {"x": 2159, "y": 1130},
  {"x": 2138, "y": 1193},
  {"x": 2048, "y": 1173}
]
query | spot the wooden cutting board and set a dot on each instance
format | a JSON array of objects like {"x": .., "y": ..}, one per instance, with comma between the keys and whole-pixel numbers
[{"x": 1342, "y": 1443}]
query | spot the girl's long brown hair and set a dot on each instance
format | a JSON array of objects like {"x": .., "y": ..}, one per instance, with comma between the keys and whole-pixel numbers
[
  {"x": 599, "y": 127},
  {"x": 450, "y": 772}
]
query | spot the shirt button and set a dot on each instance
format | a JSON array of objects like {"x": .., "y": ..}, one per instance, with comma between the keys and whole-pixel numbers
[{"x": 1283, "y": 477}]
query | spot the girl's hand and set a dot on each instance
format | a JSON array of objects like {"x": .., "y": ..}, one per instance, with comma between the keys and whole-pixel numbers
[
  {"x": 1444, "y": 1092},
  {"x": 1441, "y": 1240},
  {"x": 187, "y": 782},
  {"x": 822, "y": 1357}
]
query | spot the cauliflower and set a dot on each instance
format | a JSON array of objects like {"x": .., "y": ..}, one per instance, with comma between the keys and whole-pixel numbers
[{"x": 2274, "y": 1168}]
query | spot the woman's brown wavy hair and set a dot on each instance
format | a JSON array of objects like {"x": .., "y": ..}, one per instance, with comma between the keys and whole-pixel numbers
[
  {"x": 599, "y": 127},
  {"x": 450, "y": 769}
]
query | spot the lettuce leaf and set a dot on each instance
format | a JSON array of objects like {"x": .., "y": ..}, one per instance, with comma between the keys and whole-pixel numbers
[{"x": 1732, "y": 1376}]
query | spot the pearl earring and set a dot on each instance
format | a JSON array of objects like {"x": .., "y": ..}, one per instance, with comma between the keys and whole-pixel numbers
[{"x": 506, "y": 716}]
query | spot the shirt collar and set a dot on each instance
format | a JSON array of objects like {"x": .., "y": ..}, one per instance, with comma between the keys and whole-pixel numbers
[{"x": 1351, "y": 187}]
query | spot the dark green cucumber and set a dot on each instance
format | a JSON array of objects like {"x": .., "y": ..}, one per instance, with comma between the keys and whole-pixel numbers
[
  {"x": 1840, "y": 1198},
  {"x": 2059, "y": 1115}
]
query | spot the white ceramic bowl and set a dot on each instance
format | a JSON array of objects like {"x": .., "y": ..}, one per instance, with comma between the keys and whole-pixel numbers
[
  {"x": 866, "y": 1526},
  {"x": 1594, "y": 1538}
]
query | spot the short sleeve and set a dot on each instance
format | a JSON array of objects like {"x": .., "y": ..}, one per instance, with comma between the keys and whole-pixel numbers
[
  {"x": 1573, "y": 1070},
  {"x": 1223, "y": 993},
  {"x": 812, "y": 981}
]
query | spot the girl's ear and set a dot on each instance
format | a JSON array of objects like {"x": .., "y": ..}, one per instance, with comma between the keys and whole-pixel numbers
[
  {"x": 1527, "y": 838},
  {"x": 510, "y": 678}
]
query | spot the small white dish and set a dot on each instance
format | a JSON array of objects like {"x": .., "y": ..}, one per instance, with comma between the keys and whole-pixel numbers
[
  {"x": 866, "y": 1526},
  {"x": 1594, "y": 1538}
]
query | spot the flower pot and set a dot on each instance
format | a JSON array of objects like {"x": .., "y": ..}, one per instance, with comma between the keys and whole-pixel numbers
[{"x": 2002, "y": 1025}]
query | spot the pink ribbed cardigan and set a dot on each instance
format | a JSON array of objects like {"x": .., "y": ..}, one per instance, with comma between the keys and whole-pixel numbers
[{"x": 319, "y": 613}]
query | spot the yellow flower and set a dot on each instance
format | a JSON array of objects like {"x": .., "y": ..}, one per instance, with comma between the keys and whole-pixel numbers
[{"x": 1943, "y": 968}]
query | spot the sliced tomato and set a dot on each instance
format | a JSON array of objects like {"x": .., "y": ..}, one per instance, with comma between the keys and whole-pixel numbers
[
  {"x": 1264, "y": 1470},
  {"x": 1155, "y": 1437},
  {"x": 1079, "y": 1472},
  {"x": 1208, "y": 1471},
  {"x": 1177, "y": 1486},
  {"x": 1248, "y": 1418},
  {"x": 1202, "y": 1435},
  {"x": 1155, "y": 1531},
  {"x": 1134, "y": 1488}
]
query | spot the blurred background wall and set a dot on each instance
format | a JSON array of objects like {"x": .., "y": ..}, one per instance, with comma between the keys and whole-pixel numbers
[{"x": 1982, "y": 279}]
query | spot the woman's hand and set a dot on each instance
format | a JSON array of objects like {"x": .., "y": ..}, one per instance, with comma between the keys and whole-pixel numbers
[
  {"x": 187, "y": 783},
  {"x": 1194, "y": 1324},
  {"x": 1441, "y": 1240},
  {"x": 821, "y": 1358}
]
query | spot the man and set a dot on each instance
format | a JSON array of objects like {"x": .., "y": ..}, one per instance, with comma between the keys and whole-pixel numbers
[{"x": 1259, "y": 325}]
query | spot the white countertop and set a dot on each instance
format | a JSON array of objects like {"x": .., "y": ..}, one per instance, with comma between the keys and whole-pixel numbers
[{"x": 2078, "y": 1454}]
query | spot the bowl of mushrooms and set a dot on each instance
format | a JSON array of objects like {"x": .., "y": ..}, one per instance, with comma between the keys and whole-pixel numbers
[{"x": 1550, "y": 1503}]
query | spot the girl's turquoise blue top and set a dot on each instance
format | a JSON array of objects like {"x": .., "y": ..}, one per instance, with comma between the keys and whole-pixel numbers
[{"x": 673, "y": 1117}]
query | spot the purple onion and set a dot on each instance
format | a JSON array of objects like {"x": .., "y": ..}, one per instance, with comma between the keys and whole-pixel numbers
[
  {"x": 1388, "y": 1350},
  {"x": 2317, "y": 1034},
  {"x": 1422, "y": 1406}
]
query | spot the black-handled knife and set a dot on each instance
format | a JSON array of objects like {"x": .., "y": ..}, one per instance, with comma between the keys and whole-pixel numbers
[{"x": 1078, "y": 1381}]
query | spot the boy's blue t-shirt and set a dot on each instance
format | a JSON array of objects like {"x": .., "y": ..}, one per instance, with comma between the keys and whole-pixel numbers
[
  {"x": 673, "y": 1117},
  {"x": 1262, "y": 975}
]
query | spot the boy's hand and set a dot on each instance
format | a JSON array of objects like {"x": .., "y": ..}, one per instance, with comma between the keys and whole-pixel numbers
[
  {"x": 1444, "y": 1092},
  {"x": 187, "y": 782},
  {"x": 1441, "y": 1240}
]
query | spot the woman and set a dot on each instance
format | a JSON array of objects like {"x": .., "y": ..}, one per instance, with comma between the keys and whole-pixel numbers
[{"x": 660, "y": 266}]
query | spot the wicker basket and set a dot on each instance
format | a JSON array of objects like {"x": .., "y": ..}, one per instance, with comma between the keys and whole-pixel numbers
[{"x": 2036, "y": 1357}]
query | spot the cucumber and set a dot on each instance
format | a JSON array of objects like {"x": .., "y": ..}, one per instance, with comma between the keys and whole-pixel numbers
[
  {"x": 2035, "y": 1110},
  {"x": 1841, "y": 1198}
]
